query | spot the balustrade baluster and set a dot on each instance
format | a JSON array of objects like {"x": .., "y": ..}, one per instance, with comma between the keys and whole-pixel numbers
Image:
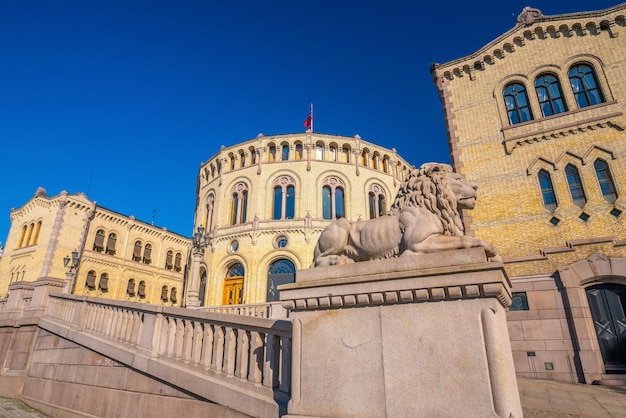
[
  {"x": 196, "y": 346},
  {"x": 171, "y": 336},
  {"x": 285, "y": 364},
  {"x": 243, "y": 353},
  {"x": 188, "y": 341},
  {"x": 230, "y": 350},
  {"x": 165, "y": 330},
  {"x": 271, "y": 364},
  {"x": 207, "y": 346},
  {"x": 180, "y": 337},
  {"x": 255, "y": 373},
  {"x": 218, "y": 349}
]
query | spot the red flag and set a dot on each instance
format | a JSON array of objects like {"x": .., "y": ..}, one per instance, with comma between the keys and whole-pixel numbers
[{"x": 307, "y": 122}]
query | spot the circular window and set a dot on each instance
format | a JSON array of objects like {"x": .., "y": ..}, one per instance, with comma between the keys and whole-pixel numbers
[
  {"x": 281, "y": 242},
  {"x": 234, "y": 246}
]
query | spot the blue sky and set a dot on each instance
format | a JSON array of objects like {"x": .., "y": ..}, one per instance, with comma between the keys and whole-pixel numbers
[{"x": 122, "y": 100}]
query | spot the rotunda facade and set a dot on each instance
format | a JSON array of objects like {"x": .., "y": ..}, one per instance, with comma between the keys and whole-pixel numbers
[{"x": 264, "y": 202}]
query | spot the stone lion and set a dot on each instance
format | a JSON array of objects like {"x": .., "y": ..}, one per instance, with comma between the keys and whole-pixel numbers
[{"x": 424, "y": 218}]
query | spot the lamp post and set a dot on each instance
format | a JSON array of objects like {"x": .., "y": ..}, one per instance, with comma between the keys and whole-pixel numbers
[
  {"x": 199, "y": 241},
  {"x": 71, "y": 270}
]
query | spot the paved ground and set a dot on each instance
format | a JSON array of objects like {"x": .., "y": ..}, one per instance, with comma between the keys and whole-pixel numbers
[{"x": 540, "y": 399}]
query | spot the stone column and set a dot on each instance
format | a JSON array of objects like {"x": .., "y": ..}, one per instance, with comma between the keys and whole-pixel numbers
[
  {"x": 194, "y": 288},
  {"x": 414, "y": 336}
]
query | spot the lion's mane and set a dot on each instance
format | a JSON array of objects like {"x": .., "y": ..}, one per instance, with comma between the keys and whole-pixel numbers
[{"x": 427, "y": 187}]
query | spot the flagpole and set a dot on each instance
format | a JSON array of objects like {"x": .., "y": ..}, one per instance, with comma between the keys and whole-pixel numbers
[{"x": 311, "y": 117}]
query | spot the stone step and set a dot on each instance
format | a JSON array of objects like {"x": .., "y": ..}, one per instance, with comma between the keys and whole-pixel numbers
[{"x": 612, "y": 379}]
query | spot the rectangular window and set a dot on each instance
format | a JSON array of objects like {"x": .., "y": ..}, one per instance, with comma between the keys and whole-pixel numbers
[{"x": 520, "y": 302}]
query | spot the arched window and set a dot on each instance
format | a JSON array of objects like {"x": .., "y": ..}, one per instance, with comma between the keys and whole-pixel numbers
[
  {"x": 242, "y": 159},
  {"x": 377, "y": 202},
  {"x": 252, "y": 156},
  {"x": 212, "y": 171},
  {"x": 202, "y": 292},
  {"x": 375, "y": 161},
  {"x": 516, "y": 101},
  {"x": 22, "y": 236},
  {"x": 281, "y": 272},
  {"x": 333, "y": 152},
  {"x": 137, "y": 251},
  {"x": 169, "y": 260},
  {"x": 210, "y": 205},
  {"x": 173, "y": 295},
  {"x": 298, "y": 151},
  {"x": 147, "y": 254},
  {"x": 177, "y": 261},
  {"x": 37, "y": 229},
  {"x": 345, "y": 154},
  {"x": 111, "y": 241},
  {"x": 98, "y": 244},
  {"x": 239, "y": 204},
  {"x": 271, "y": 156},
  {"x": 130, "y": 289},
  {"x": 550, "y": 95},
  {"x": 386, "y": 164},
  {"x": 547, "y": 191},
  {"x": 333, "y": 205},
  {"x": 232, "y": 162},
  {"x": 284, "y": 152},
  {"x": 91, "y": 280},
  {"x": 585, "y": 85},
  {"x": 606, "y": 181},
  {"x": 103, "y": 284},
  {"x": 363, "y": 158},
  {"x": 319, "y": 152},
  {"x": 284, "y": 198},
  {"x": 233, "y": 285},
  {"x": 29, "y": 234},
  {"x": 164, "y": 293},
  {"x": 575, "y": 185},
  {"x": 141, "y": 290}
]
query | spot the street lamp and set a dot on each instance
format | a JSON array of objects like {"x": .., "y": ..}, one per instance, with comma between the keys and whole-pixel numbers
[
  {"x": 199, "y": 241},
  {"x": 71, "y": 270}
]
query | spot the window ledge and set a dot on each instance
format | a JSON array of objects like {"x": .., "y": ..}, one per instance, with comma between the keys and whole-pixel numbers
[{"x": 563, "y": 124}]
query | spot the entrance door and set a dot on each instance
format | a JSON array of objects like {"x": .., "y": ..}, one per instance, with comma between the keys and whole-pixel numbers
[
  {"x": 233, "y": 291},
  {"x": 608, "y": 303}
]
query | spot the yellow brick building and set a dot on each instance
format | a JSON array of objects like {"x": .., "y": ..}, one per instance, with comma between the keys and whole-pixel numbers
[
  {"x": 536, "y": 119},
  {"x": 263, "y": 203},
  {"x": 98, "y": 252}
]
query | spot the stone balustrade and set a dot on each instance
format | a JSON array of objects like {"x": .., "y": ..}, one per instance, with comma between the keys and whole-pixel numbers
[
  {"x": 252, "y": 353},
  {"x": 274, "y": 310}
]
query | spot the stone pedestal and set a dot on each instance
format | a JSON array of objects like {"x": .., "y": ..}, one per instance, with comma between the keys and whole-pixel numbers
[{"x": 416, "y": 336}]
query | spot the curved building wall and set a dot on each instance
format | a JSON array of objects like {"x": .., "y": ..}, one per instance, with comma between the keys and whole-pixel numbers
[{"x": 238, "y": 204}]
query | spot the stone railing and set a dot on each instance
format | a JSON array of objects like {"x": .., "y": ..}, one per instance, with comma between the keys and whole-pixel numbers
[
  {"x": 250, "y": 353},
  {"x": 272, "y": 310}
]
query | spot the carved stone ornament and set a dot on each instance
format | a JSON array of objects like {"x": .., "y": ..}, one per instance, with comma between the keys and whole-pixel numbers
[
  {"x": 528, "y": 16},
  {"x": 424, "y": 218}
]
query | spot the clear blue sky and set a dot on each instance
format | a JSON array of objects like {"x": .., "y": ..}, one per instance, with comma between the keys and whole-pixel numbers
[{"x": 122, "y": 100}]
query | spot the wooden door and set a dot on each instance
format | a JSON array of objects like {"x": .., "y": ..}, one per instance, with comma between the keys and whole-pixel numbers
[
  {"x": 607, "y": 304},
  {"x": 233, "y": 291}
]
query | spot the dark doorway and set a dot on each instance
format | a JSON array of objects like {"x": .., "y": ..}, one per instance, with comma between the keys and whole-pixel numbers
[{"x": 607, "y": 303}]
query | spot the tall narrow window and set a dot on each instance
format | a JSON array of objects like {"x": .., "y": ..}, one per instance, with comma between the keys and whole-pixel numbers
[
  {"x": 164, "y": 294},
  {"x": 333, "y": 205},
  {"x": 239, "y": 204},
  {"x": 103, "y": 284},
  {"x": 252, "y": 156},
  {"x": 210, "y": 204},
  {"x": 606, "y": 181},
  {"x": 130, "y": 288},
  {"x": 363, "y": 158},
  {"x": 168, "y": 260},
  {"x": 319, "y": 152},
  {"x": 111, "y": 241},
  {"x": 298, "y": 151},
  {"x": 147, "y": 254},
  {"x": 345, "y": 154},
  {"x": 377, "y": 204},
  {"x": 333, "y": 152},
  {"x": 575, "y": 185},
  {"x": 549, "y": 95},
  {"x": 284, "y": 198},
  {"x": 91, "y": 280},
  {"x": 22, "y": 236},
  {"x": 386, "y": 165},
  {"x": 232, "y": 162},
  {"x": 141, "y": 289},
  {"x": 177, "y": 261},
  {"x": 516, "y": 102},
  {"x": 242, "y": 159},
  {"x": 37, "y": 229},
  {"x": 547, "y": 191},
  {"x": 271, "y": 156},
  {"x": 285, "y": 153},
  {"x": 98, "y": 244},
  {"x": 585, "y": 85},
  {"x": 137, "y": 251},
  {"x": 29, "y": 234}
]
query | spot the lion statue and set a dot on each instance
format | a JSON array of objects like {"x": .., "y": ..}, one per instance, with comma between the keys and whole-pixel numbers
[{"x": 424, "y": 218}]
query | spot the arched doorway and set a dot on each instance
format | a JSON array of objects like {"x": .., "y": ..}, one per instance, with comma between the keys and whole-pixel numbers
[
  {"x": 202, "y": 291},
  {"x": 233, "y": 285},
  {"x": 607, "y": 303},
  {"x": 280, "y": 272}
]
